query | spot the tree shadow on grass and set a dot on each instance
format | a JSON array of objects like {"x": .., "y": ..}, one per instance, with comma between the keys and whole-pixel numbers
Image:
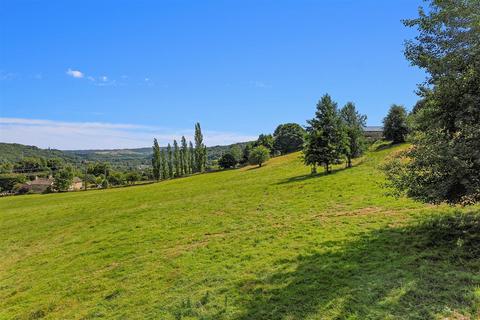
[
  {"x": 415, "y": 272},
  {"x": 309, "y": 176}
]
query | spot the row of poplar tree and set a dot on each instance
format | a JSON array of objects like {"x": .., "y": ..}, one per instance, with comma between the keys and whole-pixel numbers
[
  {"x": 179, "y": 160},
  {"x": 334, "y": 135}
]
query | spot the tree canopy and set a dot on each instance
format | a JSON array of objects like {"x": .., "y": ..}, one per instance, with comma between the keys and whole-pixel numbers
[
  {"x": 288, "y": 137},
  {"x": 395, "y": 125}
]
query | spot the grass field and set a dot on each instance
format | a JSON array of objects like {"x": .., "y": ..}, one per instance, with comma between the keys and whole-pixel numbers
[{"x": 253, "y": 243}]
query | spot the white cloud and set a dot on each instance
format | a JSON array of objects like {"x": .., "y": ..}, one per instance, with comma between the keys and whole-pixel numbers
[
  {"x": 260, "y": 84},
  {"x": 98, "y": 135},
  {"x": 75, "y": 73},
  {"x": 7, "y": 75}
]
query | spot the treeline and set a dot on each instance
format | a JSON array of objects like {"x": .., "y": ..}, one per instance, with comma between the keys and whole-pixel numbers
[
  {"x": 15, "y": 176},
  {"x": 181, "y": 160},
  {"x": 286, "y": 138}
]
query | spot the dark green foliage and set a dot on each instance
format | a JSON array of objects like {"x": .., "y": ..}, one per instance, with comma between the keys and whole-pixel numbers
[
  {"x": 8, "y": 181},
  {"x": 105, "y": 184},
  {"x": 63, "y": 178},
  {"x": 5, "y": 166},
  {"x": 246, "y": 153},
  {"x": 444, "y": 162},
  {"x": 132, "y": 177},
  {"x": 326, "y": 140},
  {"x": 227, "y": 161},
  {"x": 156, "y": 161},
  {"x": 184, "y": 156},
  {"x": 204, "y": 157},
  {"x": 200, "y": 150},
  {"x": 30, "y": 164},
  {"x": 176, "y": 159},
  {"x": 191, "y": 157},
  {"x": 164, "y": 164},
  {"x": 265, "y": 140},
  {"x": 99, "y": 168},
  {"x": 170, "y": 160},
  {"x": 288, "y": 137},
  {"x": 354, "y": 124},
  {"x": 258, "y": 155},
  {"x": 55, "y": 164},
  {"x": 236, "y": 152},
  {"x": 116, "y": 178},
  {"x": 395, "y": 126}
]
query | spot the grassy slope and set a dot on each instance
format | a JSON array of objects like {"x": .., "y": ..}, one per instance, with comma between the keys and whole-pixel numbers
[{"x": 267, "y": 243}]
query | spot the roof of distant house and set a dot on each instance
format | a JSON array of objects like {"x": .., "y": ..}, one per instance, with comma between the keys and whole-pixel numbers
[
  {"x": 373, "y": 128},
  {"x": 40, "y": 181}
]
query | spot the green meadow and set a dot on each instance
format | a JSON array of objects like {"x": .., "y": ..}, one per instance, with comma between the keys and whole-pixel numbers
[{"x": 253, "y": 243}]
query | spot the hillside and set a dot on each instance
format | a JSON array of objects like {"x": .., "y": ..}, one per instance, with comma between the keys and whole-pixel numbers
[
  {"x": 13, "y": 152},
  {"x": 253, "y": 243},
  {"x": 138, "y": 156},
  {"x": 118, "y": 158}
]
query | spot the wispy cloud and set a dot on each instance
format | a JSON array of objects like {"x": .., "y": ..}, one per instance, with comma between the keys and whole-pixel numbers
[
  {"x": 260, "y": 84},
  {"x": 75, "y": 73},
  {"x": 99, "y": 135},
  {"x": 100, "y": 81},
  {"x": 7, "y": 75}
]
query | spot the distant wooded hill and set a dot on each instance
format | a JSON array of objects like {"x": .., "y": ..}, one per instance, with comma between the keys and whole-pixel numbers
[{"x": 118, "y": 158}]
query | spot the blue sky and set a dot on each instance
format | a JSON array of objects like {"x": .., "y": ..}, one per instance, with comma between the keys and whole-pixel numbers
[{"x": 109, "y": 74}]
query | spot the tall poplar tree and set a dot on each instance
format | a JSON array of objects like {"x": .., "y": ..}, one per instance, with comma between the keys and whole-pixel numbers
[
  {"x": 176, "y": 158},
  {"x": 156, "y": 161},
  {"x": 184, "y": 156},
  {"x": 191, "y": 157},
  {"x": 199, "y": 149},
  {"x": 164, "y": 165},
  {"x": 170, "y": 160}
]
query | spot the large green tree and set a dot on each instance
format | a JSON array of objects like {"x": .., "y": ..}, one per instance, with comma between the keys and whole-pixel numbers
[
  {"x": 395, "y": 124},
  {"x": 227, "y": 160},
  {"x": 63, "y": 179},
  {"x": 444, "y": 161},
  {"x": 265, "y": 140},
  {"x": 156, "y": 161},
  {"x": 326, "y": 137},
  {"x": 354, "y": 124},
  {"x": 288, "y": 137}
]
